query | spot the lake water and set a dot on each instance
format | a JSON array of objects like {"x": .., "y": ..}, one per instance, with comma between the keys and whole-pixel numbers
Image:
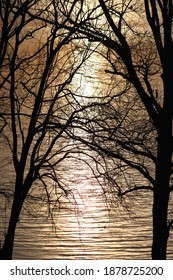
[
  {"x": 89, "y": 227},
  {"x": 91, "y": 224}
]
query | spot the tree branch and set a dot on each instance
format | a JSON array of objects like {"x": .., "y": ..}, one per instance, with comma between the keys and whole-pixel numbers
[{"x": 135, "y": 189}]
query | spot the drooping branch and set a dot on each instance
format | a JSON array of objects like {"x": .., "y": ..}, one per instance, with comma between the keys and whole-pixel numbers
[
  {"x": 113, "y": 154},
  {"x": 120, "y": 193}
]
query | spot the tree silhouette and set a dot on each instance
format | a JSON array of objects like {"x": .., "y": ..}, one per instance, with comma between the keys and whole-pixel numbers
[
  {"x": 38, "y": 62},
  {"x": 135, "y": 127},
  {"x": 132, "y": 124}
]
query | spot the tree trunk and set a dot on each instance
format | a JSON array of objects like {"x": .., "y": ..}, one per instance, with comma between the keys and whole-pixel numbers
[
  {"x": 161, "y": 190},
  {"x": 7, "y": 248},
  {"x": 160, "y": 228}
]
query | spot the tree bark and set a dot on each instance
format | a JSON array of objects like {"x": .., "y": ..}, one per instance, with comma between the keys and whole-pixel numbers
[
  {"x": 161, "y": 190},
  {"x": 160, "y": 228},
  {"x": 7, "y": 248}
]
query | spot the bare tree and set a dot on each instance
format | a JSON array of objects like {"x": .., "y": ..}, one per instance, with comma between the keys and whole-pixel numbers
[
  {"x": 38, "y": 61},
  {"x": 135, "y": 127}
]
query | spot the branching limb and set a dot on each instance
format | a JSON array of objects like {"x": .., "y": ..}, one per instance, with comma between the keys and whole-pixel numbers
[{"x": 135, "y": 189}]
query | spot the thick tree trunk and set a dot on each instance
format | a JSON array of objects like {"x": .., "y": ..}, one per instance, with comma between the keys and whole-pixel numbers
[
  {"x": 7, "y": 248},
  {"x": 160, "y": 228},
  {"x": 161, "y": 190}
]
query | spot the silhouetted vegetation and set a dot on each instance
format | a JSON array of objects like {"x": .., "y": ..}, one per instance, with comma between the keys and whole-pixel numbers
[
  {"x": 134, "y": 128},
  {"x": 129, "y": 125},
  {"x": 38, "y": 62}
]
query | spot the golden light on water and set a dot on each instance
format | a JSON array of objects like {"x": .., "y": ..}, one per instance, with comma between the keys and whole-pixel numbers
[{"x": 70, "y": 211}]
